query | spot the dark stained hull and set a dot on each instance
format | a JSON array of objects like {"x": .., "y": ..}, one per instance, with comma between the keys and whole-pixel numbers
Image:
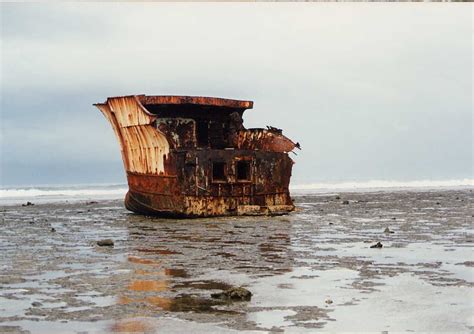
[{"x": 140, "y": 203}]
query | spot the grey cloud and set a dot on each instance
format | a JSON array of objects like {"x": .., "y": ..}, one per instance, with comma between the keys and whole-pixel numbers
[{"x": 371, "y": 92}]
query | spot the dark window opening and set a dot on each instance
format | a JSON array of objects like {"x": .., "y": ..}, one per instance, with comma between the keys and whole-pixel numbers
[
  {"x": 202, "y": 133},
  {"x": 216, "y": 135},
  {"x": 218, "y": 171},
  {"x": 243, "y": 170}
]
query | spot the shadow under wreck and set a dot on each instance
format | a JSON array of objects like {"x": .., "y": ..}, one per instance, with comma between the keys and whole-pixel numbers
[{"x": 189, "y": 156}]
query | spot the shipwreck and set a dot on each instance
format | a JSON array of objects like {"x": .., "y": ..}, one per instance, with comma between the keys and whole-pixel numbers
[{"x": 188, "y": 156}]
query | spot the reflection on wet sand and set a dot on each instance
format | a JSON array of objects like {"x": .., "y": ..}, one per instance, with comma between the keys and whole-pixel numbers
[
  {"x": 155, "y": 286},
  {"x": 132, "y": 326},
  {"x": 135, "y": 259},
  {"x": 166, "y": 279},
  {"x": 157, "y": 251},
  {"x": 204, "y": 285},
  {"x": 163, "y": 272},
  {"x": 147, "y": 292}
]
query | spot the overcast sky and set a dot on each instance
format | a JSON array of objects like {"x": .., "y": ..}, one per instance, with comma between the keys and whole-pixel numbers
[{"x": 370, "y": 91}]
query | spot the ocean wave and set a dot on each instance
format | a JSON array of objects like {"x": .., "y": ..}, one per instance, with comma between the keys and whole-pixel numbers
[
  {"x": 35, "y": 192},
  {"x": 118, "y": 191},
  {"x": 384, "y": 184}
]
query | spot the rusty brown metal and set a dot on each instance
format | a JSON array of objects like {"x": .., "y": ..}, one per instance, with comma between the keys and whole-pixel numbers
[
  {"x": 189, "y": 156},
  {"x": 265, "y": 140},
  {"x": 198, "y": 100}
]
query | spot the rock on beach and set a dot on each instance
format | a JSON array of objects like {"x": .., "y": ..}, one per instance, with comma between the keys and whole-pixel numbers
[
  {"x": 105, "y": 243},
  {"x": 236, "y": 293}
]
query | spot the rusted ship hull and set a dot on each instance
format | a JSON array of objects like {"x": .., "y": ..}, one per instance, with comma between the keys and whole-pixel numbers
[{"x": 191, "y": 157}]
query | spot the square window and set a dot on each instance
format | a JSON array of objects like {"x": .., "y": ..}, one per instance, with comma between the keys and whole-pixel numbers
[
  {"x": 218, "y": 171},
  {"x": 243, "y": 170}
]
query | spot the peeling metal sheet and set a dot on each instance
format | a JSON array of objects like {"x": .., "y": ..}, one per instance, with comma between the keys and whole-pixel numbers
[{"x": 144, "y": 148}]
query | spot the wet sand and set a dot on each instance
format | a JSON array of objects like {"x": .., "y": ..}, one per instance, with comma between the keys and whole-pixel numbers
[{"x": 311, "y": 270}]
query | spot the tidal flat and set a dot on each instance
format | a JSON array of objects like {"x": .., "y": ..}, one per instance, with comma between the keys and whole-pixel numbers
[{"x": 312, "y": 270}]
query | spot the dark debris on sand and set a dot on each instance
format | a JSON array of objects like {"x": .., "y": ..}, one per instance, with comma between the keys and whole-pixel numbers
[
  {"x": 377, "y": 245},
  {"x": 105, "y": 243},
  {"x": 236, "y": 293}
]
